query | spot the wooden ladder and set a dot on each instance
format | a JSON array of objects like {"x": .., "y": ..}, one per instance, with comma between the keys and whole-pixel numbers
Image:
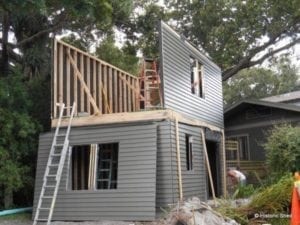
[
  {"x": 54, "y": 168},
  {"x": 150, "y": 85}
]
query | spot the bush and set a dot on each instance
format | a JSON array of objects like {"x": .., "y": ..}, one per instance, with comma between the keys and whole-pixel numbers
[
  {"x": 275, "y": 198},
  {"x": 244, "y": 191},
  {"x": 283, "y": 150}
]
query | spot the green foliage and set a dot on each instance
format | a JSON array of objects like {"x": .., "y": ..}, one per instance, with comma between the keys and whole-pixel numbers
[
  {"x": 256, "y": 83},
  {"x": 225, "y": 208},
  {"x": 232, "y": 32},
  {"x": 24, "y": 217},
  {"x": 142, "y": 29},
  {"x": 123, "y": 58},
  {"x": 272, "y": 199},
  {"x": 275, "y": 198},
  {"x": 283, "y": 149},
  {"x": 77, "y": 42},
  {"x": 18, "y": 141},
  {"x": 243, "y": 191}
]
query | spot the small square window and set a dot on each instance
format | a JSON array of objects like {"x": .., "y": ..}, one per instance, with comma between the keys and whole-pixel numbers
[{"x": 94, "y": 166}]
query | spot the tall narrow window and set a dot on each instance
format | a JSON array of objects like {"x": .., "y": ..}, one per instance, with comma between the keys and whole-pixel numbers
[
  {"x": 200, "y": 79},
  {"x": 107, "y": 171},
  {"x": 196, "y": 69},
  {"x": 80, "y": 167},
  {"x": 192, "y": 68},
  {"x": 189, "y": 151}
]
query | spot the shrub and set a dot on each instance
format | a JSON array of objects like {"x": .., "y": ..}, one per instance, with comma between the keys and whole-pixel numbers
[
  {"x": 244, "y": 191},
  {"x": 283, "y": 150}
]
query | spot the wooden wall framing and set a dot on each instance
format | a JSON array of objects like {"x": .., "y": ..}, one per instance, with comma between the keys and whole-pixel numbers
[{"x": 95, "y": 85}]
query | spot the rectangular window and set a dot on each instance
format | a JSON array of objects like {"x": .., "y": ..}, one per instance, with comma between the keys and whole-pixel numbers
[
  {"x": 189, "y": 151},
  {"x": 237, "y": 148},
  {"x": 196, "y": 69},
  {"x": 80, "y": 167},
  {"x": 94, "y": 166},
  {"x": 107, "y": 170}
]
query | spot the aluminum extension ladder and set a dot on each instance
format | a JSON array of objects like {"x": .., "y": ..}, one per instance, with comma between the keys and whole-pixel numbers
[{"x": 54, "y": 168}]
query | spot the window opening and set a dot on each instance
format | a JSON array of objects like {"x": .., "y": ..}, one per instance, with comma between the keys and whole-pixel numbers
[
  {"x": 80, "y": 167},
  {"x": 196, "y": 69},
  {"x": 107, "y": 171},
  {"x": 189, "y": 151},
  {"x": 237, "y": 148}
]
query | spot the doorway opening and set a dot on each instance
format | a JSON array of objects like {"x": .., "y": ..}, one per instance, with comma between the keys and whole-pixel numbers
[{"x": 214, "y": 161}]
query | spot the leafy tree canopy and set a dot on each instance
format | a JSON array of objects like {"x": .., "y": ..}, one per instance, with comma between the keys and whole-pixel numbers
[
  {"x": 257, "y": 83},
  {"x": 31, "y": 22},
  {"x": 18, "y": 139},
  {"x": 123, "y": 58},
  {"x": 236, "y": 34}
]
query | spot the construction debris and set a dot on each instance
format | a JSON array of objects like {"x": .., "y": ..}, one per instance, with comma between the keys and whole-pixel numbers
[{"x": 195, "y": 212}]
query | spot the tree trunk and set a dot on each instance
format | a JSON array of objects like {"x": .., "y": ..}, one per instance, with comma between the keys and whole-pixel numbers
[
  {"x": 4, "y": 59},
  {"x": 8, "y": 198}
]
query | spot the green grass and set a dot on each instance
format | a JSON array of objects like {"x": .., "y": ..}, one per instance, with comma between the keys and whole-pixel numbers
[{"x": 19, "y": 217}]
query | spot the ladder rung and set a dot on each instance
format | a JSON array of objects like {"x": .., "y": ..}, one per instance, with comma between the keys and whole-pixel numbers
[
  {"x": 68, "y": 107},
  {"x": 42, "y": 220},
  {"x": 59, "y": 145},
  {"x": 103, "y": 170},
  {"x": 47, "y": 197},
  {"x": 44, "y": 208},
  {"x": 61, "y": 135},
  {"x": 51, "y": 175},
  {"x": 56, "y": 154},
  {"x": 54, "y": 165},
  {"x": 49, "y": 186}
]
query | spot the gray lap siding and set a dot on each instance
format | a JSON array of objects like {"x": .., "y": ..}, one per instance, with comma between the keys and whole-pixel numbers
[
  {"x": 147, "y": 172},
  {"x": 134, "y": 197},
  {"x": 176, "y": 76},
  {"x": 194, "y": 182}
]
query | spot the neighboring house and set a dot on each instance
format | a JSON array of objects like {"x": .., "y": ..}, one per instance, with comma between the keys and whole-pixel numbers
[
  {"x": 290, "y": 98},
  {"x": 130, "y": 156},
  {"x": 246, "y": 126}
]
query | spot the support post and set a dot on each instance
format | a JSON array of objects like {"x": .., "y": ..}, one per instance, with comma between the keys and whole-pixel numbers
[
  {"x": 178, "y": 160},
  {"x": 208, "y": 164},
  {"x": 224, "y": 164}
]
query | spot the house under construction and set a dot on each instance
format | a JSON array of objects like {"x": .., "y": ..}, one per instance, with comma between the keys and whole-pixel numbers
[{"x": 123, "y": 147}]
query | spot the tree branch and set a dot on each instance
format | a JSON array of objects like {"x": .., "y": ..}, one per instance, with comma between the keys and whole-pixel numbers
[
  {"x": 37, "y": 35},
  {"x": 269, "y": 54},
  {"x": 246, "y": 62}
]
